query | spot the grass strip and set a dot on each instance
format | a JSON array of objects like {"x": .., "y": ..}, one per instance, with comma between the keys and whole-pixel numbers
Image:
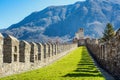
[{"x": 77, "y": 65}]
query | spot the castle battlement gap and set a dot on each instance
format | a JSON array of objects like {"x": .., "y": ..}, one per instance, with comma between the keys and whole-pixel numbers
[
  {"x": 20, "y": 56},
  {"x": 107, "y": 54}
]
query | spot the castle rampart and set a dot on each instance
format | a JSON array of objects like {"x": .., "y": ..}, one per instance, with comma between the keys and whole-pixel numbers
[
  {"x": 107, "y": 54},
  {"x": 20, "y": 56}
]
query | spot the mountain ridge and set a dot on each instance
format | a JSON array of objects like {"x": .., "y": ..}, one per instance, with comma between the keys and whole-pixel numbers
[{"x": 65, "y": 20}]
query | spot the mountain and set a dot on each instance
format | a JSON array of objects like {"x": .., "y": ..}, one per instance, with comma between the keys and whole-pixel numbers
[{"x": 64, "y": 21}]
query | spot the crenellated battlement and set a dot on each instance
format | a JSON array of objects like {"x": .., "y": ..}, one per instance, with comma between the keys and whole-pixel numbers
[
  {"x": 107, "y": 54},
  {"x": 20, "y": 56}
]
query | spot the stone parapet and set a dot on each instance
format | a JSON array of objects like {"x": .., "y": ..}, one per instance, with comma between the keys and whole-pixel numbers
[
  {"x": 1, "y": 53},
  {"x": 107, "y": 54},
  {"x": 20, "y": 56}
]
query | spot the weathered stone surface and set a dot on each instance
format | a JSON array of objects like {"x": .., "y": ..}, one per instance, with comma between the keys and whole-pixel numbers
[
  {"x": 24, "y": 55},
  {"x": 19, "y": 56},
  {"x": 45, "y": 51},
  {"x": 24, "y": 51},
  {"x": 108, "y": 54},
  {"x": 10, "y": 55},
  {"x": 54, "y": 49},
  {"x": 40, "y": 51},
  {"x": 49, "y": 49},
  {"x": 1, "y": 53},
  {"x": 11, "y": 49},
  {"x": 33, "y": 52}
]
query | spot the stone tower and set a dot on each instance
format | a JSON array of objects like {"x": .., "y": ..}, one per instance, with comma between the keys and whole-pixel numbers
[
  {"x": 80, "y": 34},
  {"x": 79, "y": 37}
]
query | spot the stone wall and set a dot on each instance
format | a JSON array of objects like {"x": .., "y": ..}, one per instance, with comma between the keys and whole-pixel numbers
[
  {"x": 20, "y": 56},
  {"x": 107, "y": 54}
]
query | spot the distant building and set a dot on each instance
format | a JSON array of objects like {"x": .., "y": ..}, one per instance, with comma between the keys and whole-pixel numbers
[
  {"x": 80, "y": 34},
  {"x": 79, "y": 37}
]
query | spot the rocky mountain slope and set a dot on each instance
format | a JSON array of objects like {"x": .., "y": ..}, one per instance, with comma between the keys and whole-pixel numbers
[{"x": 64, "y": 21}]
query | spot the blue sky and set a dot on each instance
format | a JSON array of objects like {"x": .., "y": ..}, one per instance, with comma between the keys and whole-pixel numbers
[{"x": 13, "y": 11}]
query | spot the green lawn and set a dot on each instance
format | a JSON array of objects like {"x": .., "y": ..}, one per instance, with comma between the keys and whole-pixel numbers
[{"x": 77, "y": 65}]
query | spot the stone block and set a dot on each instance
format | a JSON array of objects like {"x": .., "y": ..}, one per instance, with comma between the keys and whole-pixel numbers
[
  {"x": 1, "y": 53},
  {"x": 24, "y": 52},
  {"x": 10, "y": 49},
  {"x": 1, "y": 48},
  {"x": 49, "y": 49},
  {"x": 33, "y": 52},
  {"x": 45, "y": 50},
  {"x": 40, "y": 51},
  {"x": 54, "y": 49}
]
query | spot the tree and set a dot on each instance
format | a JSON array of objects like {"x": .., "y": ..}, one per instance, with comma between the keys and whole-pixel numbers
[{"x": 108, "y": 32}]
